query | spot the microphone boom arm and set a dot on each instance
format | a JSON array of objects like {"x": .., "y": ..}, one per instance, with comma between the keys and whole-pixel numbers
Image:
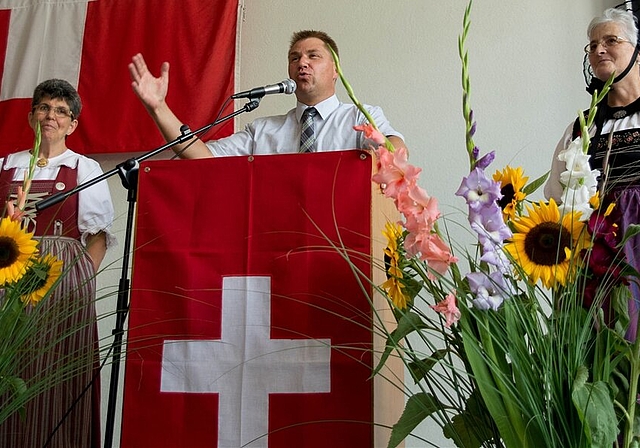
[{"x": 124, "y": 168}]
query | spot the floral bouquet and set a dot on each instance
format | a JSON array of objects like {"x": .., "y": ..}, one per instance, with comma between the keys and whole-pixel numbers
[
  {"x": 27, "y": 279},
  {"x": 523, "y": 344}
]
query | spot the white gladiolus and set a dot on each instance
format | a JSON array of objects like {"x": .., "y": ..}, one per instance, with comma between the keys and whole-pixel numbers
[{"x": 580, "y": 182}]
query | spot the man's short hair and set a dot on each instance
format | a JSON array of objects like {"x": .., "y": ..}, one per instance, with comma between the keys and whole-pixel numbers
[{"x": 306, "y": 34}]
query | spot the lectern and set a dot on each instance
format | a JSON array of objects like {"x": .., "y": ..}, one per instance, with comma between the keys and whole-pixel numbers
[{"x": 251, "y": 321}]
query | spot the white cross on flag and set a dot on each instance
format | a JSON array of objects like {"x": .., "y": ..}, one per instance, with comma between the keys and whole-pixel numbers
[
  {"x": 90, "y": 43},
  {"x": 248, "y": 366},
  {"x": 247, "y": 328}
]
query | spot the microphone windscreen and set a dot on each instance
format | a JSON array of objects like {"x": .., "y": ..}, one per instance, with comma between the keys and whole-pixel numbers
[{"x": 289, "y": 86}]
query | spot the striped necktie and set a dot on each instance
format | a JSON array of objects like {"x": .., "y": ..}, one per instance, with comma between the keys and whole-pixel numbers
[{"x": 307, "y": 136}]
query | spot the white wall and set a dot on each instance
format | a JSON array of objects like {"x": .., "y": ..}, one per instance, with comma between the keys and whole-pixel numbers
[{"x": 526, "y": 80}]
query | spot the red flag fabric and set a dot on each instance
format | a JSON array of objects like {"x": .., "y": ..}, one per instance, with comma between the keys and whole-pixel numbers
[
  {"x": 246, "y": 327},
  {"x": 90, "y": 43}
]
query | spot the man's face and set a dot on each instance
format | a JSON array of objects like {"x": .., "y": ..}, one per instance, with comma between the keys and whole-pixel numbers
[{"x": 311, "y": 66}]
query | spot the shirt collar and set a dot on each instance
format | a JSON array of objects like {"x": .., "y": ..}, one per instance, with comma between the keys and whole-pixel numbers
[
  {"x": 324, "y": 108},
  {"x": 21, "y": 160}
]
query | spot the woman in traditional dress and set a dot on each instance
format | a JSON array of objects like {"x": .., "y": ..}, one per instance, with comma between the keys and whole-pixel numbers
[
  {"x": 76, "y": 231},
  {"x": 613, "y": 48}
]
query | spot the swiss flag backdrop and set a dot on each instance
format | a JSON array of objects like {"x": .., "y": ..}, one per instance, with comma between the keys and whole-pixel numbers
[
  {"x": 91, "y": 42},
  {"x": 202, "y": 223}
]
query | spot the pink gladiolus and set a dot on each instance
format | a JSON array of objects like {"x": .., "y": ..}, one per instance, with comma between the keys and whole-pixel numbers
[
  {"x": 22, "y": 196},
  {"x": 11, "y": 209},
  {"x": 16, "y": 213},
  {"x": 420, "y": 209},
  {"x": 437, "y": 254},
  {"x": 371, "y": 133},
  {"x": 431, "y": 249},
  {"x": 394, "y": 171},
  {"x": 449, "y": 309}
]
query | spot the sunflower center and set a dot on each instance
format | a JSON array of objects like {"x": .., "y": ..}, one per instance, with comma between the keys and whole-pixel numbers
[
  {"x": 36, "y": 279},
  {"x": 545, "y": 244},
  {"x": 508, "y": 192},
  {"x": 9, "y": 251}
]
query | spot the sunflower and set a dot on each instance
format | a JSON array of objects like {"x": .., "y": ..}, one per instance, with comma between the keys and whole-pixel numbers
[
  {"x": 544, "y": 243},
  {"x": 393, "y": 285},
  {"x": 40, "y": 278},
  {"x": 17, "y": 247},
  {"x": 512, "y": 182}
]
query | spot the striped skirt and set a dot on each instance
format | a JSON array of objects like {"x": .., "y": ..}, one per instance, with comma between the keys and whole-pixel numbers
[{"x": 67, "y": 414}]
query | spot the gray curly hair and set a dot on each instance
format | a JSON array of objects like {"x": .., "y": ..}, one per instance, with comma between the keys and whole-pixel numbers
[{"x": 626, "y": 19}]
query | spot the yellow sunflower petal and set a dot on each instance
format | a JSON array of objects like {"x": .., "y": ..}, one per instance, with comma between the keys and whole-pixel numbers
[
  {"x": 544, "y": 243},
  {"x": 395, "y": 291},
  {"x": 512, "y": 181},
  {"x": 53, "y": 266},
  {"x": 17, "y": 247}
]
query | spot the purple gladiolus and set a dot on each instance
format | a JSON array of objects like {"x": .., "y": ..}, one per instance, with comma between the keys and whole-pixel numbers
[
  {"x": 485, "y": 160},
  {"x": 490, "y": 290},
  {"x": 478, "y": 190}
]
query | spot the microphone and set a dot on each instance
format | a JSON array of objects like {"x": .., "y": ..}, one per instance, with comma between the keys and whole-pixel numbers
[{"x": 287, "y": 86}]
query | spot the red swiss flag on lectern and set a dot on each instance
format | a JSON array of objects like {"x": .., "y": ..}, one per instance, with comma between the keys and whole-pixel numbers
[
  {"x": 90, "y": 43},
  {"x": 247, "y": 326}
]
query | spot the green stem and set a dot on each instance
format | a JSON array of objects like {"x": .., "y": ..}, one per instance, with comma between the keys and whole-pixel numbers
[
  {"x": 35, "y": 153},
  {"x": 466, "y": 86},
  {"x": 355, "y": 100},
  {"x": 633, "y": 393},
  {"x": 585, "y": 124}
]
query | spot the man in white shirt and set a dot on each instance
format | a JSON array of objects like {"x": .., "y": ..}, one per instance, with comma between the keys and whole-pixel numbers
[{"x": 312, "y": 67}]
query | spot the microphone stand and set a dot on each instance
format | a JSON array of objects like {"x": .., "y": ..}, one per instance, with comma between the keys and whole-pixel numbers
[{"x": 128, "y": 172}]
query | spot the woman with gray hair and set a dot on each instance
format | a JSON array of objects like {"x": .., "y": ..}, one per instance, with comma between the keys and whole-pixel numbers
[
  {"x": 65, "y": 414},
  {"x": 615, "y": 134}
]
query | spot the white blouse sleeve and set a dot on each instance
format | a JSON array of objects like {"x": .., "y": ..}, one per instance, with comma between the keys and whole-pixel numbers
[
  {"x": 95, "y": 209},
  {"x": 553, "y": 188}
]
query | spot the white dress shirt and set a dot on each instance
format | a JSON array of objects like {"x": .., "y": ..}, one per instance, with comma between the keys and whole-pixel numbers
[{"x": 279, "y": 134}]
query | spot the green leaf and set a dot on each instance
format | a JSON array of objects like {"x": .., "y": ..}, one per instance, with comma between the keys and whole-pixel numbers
[
  {"x": 462, "y": 431},
  {"x": 418, "y": 407},
  {"x": 408, "y": 323},
  {"x": 413, "y": 287},
  {"x": 534, "y": 185},
  {"x": 473, "y": 427},
  {"x": 595, "y": 409},
  {"x": 17, "y": 385},
  {"x": 632, "y": 230},
  {"x": 419, "y": 369}
]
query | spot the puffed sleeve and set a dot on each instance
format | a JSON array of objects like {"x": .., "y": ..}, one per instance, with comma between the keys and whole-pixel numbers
[
  {"x": 553, "y": 188},
  {"x": 95, "y": 209}
]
